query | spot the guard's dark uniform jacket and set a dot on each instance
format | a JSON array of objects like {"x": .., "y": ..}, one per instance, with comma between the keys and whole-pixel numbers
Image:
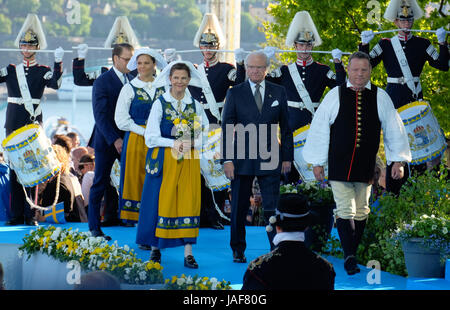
[
  {"x": 315, "y": 76},
  {"x": 221, "y": 76},
  {"x": 290, "y": 266},
  {"x": 417, "y": 51},
  {"x": 38, "y": 77}
]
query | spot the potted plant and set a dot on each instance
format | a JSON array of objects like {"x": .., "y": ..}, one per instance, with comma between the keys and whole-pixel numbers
[
  {"x": 426, "y": 245},
  {"x": 322, "y": 203}
]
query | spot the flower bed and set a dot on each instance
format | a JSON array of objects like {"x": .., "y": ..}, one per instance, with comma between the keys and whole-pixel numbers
[
  {"x": 93, "y": 253},
  {"x": 196, "y": 283}
]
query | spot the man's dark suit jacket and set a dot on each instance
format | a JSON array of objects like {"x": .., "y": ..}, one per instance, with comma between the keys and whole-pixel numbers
[
  {"x": 241, "y": 109},
  {"x": 104, "y": 99}
]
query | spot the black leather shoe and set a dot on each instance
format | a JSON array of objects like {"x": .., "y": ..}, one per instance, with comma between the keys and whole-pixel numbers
[
  {"x": 99, "y": 233},
  {"x": 110, "y": 222},
  {"x": 239, "y": 257},
  {"x": 155, "y": 256},
  {"x": 190, "y": 262},
  {"x": 217, "y": 225},
  {"x": 14, "y": 222},
  {"x": 351, "y": 266},
  {"x": 31, "y": 222},
  {"x": 144, "y": 247}
]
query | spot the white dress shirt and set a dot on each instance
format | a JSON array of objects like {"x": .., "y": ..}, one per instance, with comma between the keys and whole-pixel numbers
[
  {"x": 396, "y": 143},
  {"x": 121, "y": 76},
  {"x": 152, "y": 134},
  {"x": 122, "y": 115}
]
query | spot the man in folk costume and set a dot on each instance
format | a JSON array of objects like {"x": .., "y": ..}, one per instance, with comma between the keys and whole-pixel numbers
[
  {"x": 217, "y": 78},
  {"x": 345, "y": 133},
  {"x": 121, "y": 32},
  {"x": 107, "y": 138},
  {"x": 26, "y": 83},
  {"x": 305, "y": 80},
  {"x": 404, "y": 56}
]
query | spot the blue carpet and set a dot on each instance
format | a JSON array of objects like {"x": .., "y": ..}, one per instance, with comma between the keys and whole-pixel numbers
[{"x": 214, "y": 256}]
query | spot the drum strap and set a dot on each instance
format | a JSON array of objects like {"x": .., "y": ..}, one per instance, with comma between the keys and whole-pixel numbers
[
  {"x": 218, "y": 209},
  {"x": 404, "y": 66},
  {"x": 35, "y": 206},
  {"x": 213, "y": 106},
  {"x": 300, "y": 86},
  {"x": 25, "y": 92}
]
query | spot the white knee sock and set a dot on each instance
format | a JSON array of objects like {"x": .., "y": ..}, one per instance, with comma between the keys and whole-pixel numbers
[{"x": 187, "y": 249}]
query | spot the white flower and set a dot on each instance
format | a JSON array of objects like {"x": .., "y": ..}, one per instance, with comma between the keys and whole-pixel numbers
[
  {"x": 433, "y": 227},
  {"x": 424, "y": 216},
  {"x": 143, "y": 275},
  {"x": 181, "y": 281},
  {"x": 187, "y": 220},
  {"x": 432, "y": 216},
  {"x": 126, "y": 247},
  {"x": 20, "y": 253},
  {"x": 444, "y": 230},
  {"x": 189, "y": 280}
]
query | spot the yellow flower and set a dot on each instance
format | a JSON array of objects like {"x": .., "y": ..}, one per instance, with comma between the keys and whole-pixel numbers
[
  {"x": 184, "y": 122},
  {"x": 102, "y": 266},
  {"x": 176, "y": 121},
  {"x": 47, "y": 233},
  {"x": 97, "y": 251},
  {"x": 174, "y": 279},
  {"x": 196, "y": 125}
]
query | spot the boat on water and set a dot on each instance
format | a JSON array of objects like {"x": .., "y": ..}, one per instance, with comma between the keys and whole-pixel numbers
[{"x": 68, "y": 91}]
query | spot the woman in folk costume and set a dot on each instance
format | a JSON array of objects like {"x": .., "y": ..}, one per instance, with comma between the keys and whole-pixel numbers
[
  {"x": 170, "y": 208},
  {"x": 132, "y": 111}
]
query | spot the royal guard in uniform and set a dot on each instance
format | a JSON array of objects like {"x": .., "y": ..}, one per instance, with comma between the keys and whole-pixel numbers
[
  {"x": 404, "y": 56},
  {"x": 26, "y": 83},
  {"x": 121, "y": 32},
  {"x": 291, "y": 265},
  {"x": 305, "y": 80},
  {"x": 218, "y": 77}
]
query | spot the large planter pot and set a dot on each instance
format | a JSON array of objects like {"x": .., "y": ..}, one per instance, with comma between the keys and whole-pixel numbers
[
  {"x": 42, "y": 272},
  {"x": 422, "y": 262},
  {"x": 322, "y": 220}
]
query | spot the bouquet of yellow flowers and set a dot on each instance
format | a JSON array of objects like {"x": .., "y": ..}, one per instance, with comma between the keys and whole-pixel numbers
[
  {"x": 93, "y": 253},
  {"x": 187, "y": 127}
]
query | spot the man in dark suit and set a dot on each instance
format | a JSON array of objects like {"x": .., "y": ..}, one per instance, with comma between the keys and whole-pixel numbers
[
  {"x": 108, "y": 139},
  {"x": 251, "y": 115}
]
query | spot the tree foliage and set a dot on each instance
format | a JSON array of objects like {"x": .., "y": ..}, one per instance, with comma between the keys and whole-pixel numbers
[{"x": 340, "y": 23}]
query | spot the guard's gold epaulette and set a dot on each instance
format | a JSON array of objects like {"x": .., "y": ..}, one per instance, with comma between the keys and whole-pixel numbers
[{"x": 256, "y": 263}]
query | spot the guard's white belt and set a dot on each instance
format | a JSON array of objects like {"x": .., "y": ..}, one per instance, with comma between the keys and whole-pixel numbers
[
  {"x": 300, "y": 104},
  {"x": 219, "y": 104},
  {"x": 19, "y": 100},
  {"x": 401, "y": 80}
]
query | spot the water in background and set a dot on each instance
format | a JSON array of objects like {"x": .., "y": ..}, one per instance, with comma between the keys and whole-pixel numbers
[{"x": 79, "y": 115}]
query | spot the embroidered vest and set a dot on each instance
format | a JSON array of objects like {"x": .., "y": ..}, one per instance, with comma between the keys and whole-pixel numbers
[{"x": 354, "y": 136}]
